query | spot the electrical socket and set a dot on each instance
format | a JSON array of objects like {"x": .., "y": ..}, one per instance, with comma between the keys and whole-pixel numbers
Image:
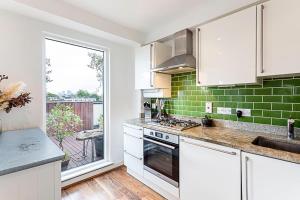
[
  {"x": 224, "y": 111},
  {"x": 246, "y": 112},
  {"x": 208, "y": 107}
]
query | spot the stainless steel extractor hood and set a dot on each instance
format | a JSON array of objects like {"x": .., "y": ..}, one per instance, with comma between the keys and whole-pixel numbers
[{"x": 183, "y": 61}]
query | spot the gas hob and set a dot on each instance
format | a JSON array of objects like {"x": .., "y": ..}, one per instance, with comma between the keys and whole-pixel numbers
[{"x": 173, "y": 123}]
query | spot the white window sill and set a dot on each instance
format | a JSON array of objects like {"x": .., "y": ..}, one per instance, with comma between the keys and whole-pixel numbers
[{"x": 83, "y": 170}]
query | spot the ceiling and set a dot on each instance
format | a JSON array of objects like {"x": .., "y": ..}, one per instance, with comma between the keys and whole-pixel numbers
[{"x": 141, "y": 15}]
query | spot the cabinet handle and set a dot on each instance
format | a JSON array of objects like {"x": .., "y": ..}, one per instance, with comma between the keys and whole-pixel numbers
[
  {"x": 246, "y": 178},
  {"x": 211, "y": 148},
  {"x": 198, "y": 31},
  {"x": 133, "y": 136},
  {"x": 262, "y": 7},
  {"x": 151, "y": 65},
  {"x": 133, "y": 155}
]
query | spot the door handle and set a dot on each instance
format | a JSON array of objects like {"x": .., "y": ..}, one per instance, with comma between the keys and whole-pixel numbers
[
  {"x": 262, "y": 7},
  {"x": 198, "y": 31},
  {"x": 246, "y": 177},
  {"x": 211, "y": 148},
  {"x": 151, "y": 65}
]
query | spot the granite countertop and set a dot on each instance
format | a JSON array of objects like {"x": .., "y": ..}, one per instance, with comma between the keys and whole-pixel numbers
[
  {"x": 228, "y": 137},
  {"x": 24, "y": 149}
]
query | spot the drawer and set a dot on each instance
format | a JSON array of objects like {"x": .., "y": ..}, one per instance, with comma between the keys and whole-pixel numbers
[
  {"x": 134, "y": 164},
  {"x": 133, "y": 130},
  {"x": 133, "y": 145}
]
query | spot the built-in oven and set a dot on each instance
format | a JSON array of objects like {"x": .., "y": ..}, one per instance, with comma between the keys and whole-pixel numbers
[{"x": 161, "y": 155}]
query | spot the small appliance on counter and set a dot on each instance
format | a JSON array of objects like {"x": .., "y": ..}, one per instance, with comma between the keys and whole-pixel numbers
[
  {"x": 147, "y": 110},
  {"x": 207, "y": 121}
]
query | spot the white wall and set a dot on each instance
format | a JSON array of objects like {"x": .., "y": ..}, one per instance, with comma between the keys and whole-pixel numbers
[{"x": 21, "y": 58}]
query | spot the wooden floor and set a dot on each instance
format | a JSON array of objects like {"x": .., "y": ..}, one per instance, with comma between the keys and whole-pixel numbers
[
  {"x": 74, "y": 148},
  {"x": 114, "y": 185}
]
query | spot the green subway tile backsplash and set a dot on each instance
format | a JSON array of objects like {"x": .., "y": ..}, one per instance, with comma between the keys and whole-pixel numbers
[{"x": 271, "y": 103}]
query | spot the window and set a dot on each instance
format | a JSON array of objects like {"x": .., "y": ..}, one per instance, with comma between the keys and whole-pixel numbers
[{"x": 75, "y": 90}]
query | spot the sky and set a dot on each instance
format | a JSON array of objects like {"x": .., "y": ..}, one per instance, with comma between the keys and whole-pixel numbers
[{"x": 69, "y": 68}]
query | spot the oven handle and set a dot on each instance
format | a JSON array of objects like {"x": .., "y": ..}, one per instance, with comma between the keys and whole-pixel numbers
[{"x": 159, "y": 143}]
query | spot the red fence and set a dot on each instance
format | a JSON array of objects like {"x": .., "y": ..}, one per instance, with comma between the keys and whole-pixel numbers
[{"x": 83, "y": 109}]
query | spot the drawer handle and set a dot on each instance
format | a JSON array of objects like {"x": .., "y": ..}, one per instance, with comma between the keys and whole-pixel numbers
[
  {"x": 133, "y": 155},
  {"x": 133, "y": 136},
  {"x": 211, "y": 148}
]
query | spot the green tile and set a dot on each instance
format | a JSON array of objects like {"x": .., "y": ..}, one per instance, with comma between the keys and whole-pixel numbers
[
  {"x": 268, "y": 113},
  {"x": 218, "y": 104},
  {"x": 245, "y": 119},
  {"x": 253, "y": 86},
  {"x": 291, "y": 82},
  {"x": 224, "y": 98},
  {"x": 246, "y": 92},
  {"x": 238, "y": 98},
  {"x": 262, "y": 120},
  {"x": 230, "y": 104},
  {"x": 218, "y": 92},
  {"x": 296, "y": 107},
  {"x": 254, "y": 98},
  {"x": 232, "y": 92},
  {"x": 291, "y": 99},
  {"x": 272, "y": 98},
  {"x": 297, "y": 90},
  {"x": 297, "y": 123},
  {"x": 257, "y": 113},
  {"x": 282, "y": 106},
  {"x": 272, "y": 83},
  {"x": 282, "y": 91},
  {"x": 279, "y": 122},
  {"x": 263, "y": 91},
  {"x": 266, "y": 106},
  {"x": 245, "y": 105},
  {"x": 294, "y": 115}
]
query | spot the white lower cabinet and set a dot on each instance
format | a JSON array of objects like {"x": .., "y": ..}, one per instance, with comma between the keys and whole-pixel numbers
[
  {"x": 209, "y": 171},
  {"x": 133, "y": 149},
  {"x": 269, "y": 179},
  {"x": 37, "y": 183}
]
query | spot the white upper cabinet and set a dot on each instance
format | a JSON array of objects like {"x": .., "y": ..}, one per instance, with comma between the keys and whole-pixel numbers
[
  {"x": 269, "y": 179},
  {"x": 209, "y": 171},
  {"x": 278, "y": 38},
  {"x": 147, "y": 58},
  {"x": 226, "y": 50}
]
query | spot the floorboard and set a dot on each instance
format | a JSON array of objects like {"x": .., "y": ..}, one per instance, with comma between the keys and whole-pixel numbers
[{"x": 113, "y": 185}]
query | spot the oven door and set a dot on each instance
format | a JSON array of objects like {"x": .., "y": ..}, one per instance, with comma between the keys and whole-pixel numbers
[{"x": 162, "y": 159}]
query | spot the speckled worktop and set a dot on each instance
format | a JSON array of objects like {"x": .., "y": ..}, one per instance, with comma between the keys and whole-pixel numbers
[
  {"x": 234, "y": 138},
  {"x": 24, "y": 149}
]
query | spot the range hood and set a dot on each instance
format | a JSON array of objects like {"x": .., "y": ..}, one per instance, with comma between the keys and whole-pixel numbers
[{"x": 183, "y": 61}]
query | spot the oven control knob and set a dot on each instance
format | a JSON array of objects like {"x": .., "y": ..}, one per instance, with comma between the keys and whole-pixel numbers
[{"x": 167, "y": 137}]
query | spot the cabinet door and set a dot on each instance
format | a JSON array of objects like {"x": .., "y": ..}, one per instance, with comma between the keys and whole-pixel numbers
[
  {"x": 278, "y": 38},
  {"x": 226, "y": 50},
  {"x": 38, "y": 183},
  {"x": 267, "y": 178},
  {"x": 143, "y": 73},
  {"x": 147, "y": 58},
  {"x": 208, "y": 171}
]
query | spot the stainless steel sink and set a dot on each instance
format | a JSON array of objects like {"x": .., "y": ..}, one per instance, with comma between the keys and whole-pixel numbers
[{"x": 279, "y": 145}]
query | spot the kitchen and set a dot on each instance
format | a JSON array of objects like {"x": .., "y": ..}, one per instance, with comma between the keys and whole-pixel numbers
[{"x": 201, "y": 101}]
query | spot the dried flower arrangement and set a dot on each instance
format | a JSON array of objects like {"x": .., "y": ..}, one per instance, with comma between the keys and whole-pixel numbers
[{"x": 13, "y": 96}]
